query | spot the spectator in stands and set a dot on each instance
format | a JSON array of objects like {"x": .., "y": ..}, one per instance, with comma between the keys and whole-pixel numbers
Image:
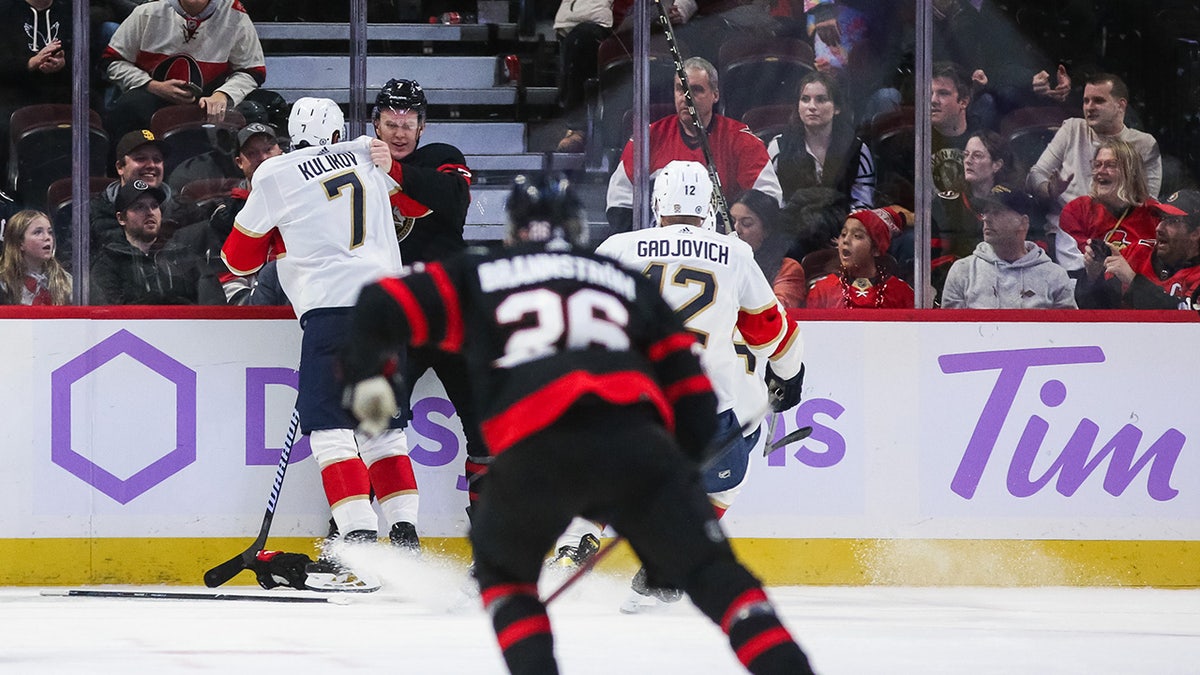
[
  {"x": 256, "y": 142},
  {"x": 816, "y": 214},
  {"x": 581, "y": 25},
  {"x": 949, "y": 97},
  {"x": 757, "y": 221},
  {"x": 1170, "y": 279},
  {"x": 1063, "y": 171},
  {"x": 35, "y": 49},
  {"x": 740, "y": 157},
  {"x": 1118, "y": 211},
  {"x": 182, "y": 52},
  {"x": 141, "y": 268},
  {"x": 140, "y": 156},
  {"x": 821, "y": 148},
  {"x": 29, "y": 272},
  {"x": 1006, "y": 271},
  {"x": 864, "y": 280},
  {"x": 987, "y": 162},
  {"x": 857, "y": 42}
]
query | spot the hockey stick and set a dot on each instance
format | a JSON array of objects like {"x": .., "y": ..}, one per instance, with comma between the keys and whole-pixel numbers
[
  {"x": 720, "y": 443},
  {"x": 176, "y": 595},
  {"x": 244, "y": 560},
  {"x": 720, "y": 206},
  {"x": 797, "y": 435}
]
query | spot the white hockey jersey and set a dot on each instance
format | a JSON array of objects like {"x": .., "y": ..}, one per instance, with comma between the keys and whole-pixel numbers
[
  {"x": 719, "y": 291},
  {"x": 331, "y": 206}
]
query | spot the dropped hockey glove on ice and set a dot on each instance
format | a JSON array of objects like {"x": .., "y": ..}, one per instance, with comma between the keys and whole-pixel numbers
[
  {"x": 784, "y": 394},
  {"x": 275, "y": 568}
]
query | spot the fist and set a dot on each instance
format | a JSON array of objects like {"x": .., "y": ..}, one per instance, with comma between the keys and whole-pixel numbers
[{"x": 373, "y": 403}]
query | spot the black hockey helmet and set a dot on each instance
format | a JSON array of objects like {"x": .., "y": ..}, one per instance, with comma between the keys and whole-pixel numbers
[
  {"x": 401, "y": 95},
  {"x": 542, "y": 208}
]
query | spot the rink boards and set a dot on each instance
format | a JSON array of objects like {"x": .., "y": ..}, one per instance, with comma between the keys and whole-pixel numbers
[{"x": 948, "y": 448}]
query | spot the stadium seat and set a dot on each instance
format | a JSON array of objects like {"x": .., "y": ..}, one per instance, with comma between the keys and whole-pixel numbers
[
  {"x": 768, "y": 121},
  {"x": 40, "y": 150},
  {"x": 614, "y": 90},
  {"x": 187, "y": 132},
  {"x": 891, "y": 136},
  {"x": 59, "y": 209},
  {"x": 756, "y": 72},
  {"x": 819, "y": 264},
  {"x": 1029, "y": 130}
]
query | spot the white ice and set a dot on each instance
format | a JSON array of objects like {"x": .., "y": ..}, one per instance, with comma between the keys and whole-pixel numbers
[{"x": 415, "y": 625}]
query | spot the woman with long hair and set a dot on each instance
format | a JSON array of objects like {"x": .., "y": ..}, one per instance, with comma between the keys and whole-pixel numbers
[
  {"x": 820, "y": 147},
  {"x": 1118, "y": 210},
  {"x": 758, "y": 222},
  {"x": 29, "y": 272}
]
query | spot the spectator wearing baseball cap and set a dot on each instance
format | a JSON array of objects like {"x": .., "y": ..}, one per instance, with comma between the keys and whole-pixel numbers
[
  {"x": 864, "y": 280},
  {"x": 142, "y": 268},
  {"x": 140, "y": 157},
  {"x": 1006, "y": 271},
  {"x": 1168, "y": 279},
  {"x": 256, "y": 142}
]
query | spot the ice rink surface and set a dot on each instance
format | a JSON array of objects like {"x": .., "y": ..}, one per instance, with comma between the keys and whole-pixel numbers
[{"x": 420, "y": 623}]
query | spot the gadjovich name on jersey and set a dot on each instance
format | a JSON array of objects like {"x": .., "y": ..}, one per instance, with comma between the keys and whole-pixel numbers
[{"x": 684, "y": 248}]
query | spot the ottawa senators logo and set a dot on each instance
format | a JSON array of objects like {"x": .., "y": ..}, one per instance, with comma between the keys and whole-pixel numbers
[{"x": 404, "y": 224}]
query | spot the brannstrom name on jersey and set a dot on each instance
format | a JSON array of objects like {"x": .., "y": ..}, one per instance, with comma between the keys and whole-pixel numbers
[
  {"x": 322, "y": 164},
  {"x": 717, "y": 252},
  {"x": 535, "y": 268}
]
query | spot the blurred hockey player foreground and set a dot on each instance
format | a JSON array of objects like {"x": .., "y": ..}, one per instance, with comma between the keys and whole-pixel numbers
[{"x": 593, "y": 402}]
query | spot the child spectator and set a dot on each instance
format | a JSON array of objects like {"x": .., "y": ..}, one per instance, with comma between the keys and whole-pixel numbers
[
  {"x": 29, "y": 272},
  {"x": 864, "y": 282}
]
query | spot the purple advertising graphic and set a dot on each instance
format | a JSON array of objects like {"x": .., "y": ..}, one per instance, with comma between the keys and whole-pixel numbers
[
  {"x": 1080, "y": 457},
  {"x": 62, "y": 444},
  {"x": 257, "y": 452}
]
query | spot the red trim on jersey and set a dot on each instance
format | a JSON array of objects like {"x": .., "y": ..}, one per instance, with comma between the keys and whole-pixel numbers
[
  {"x": 460, "y": 169},
  {"x": 491, "y": 594},
  {"x": 418, "y": 325},
  {"x": 759, "y": 328},
  {"x": 391, "y": 476},
  {"x": 760, "y": 643},
  {"x": 750, "y": 597},
  {"x": 243, "y": 253},
  {"x": 454, "y": 320},
  {"x": 669, "y": 345},
  {"x": 541, "y": 408},
  {"x": 345, "y": 479},
  {"x": 696, "y": 384},
  {"x": 523, "y": 629}
]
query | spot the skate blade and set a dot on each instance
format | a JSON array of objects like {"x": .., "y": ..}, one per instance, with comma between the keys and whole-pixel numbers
[{"x": 340, "y": 582}]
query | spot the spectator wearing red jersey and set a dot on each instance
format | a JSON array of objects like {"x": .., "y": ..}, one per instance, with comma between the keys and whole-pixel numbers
[{"x": 864, "y": 282}]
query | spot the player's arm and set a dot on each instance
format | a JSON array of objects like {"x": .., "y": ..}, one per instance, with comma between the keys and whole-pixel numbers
[
  {"x": 444, "y": 189},
  {"x": 245, "y": 252}
]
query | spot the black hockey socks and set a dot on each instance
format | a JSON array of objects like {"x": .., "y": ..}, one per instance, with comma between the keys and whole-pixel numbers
[
  {"x": 522, "y": 628},
  {"x": 759, "y": 640}
]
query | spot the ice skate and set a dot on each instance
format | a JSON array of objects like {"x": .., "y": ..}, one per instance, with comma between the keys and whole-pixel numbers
[
  {"x": 644, "y": 598},
  {"x": 327, "y": 574},
  {"x": 404, "y": 536}
]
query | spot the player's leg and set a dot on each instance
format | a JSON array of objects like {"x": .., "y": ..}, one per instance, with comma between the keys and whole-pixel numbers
[
  {"x": 725, "y": 475},
  {"x": 391, "y": 474},
  {"x": 516, "y": 520},
  {"x": 675, "y": 533}
]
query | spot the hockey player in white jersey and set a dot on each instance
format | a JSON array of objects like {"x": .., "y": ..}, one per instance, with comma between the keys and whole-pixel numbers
[
  {"x": 324, "y": 209},
  {"x": 716, "y": 287}
]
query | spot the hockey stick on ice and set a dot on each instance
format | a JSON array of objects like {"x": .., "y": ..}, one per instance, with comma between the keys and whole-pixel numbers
[
  {"x": 244, "y": 560},
  {"x": 721, "y": 443},
  {"x": 720, "y": 206}
]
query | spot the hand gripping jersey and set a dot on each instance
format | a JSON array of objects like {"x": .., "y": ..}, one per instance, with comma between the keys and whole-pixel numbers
[
  {"x": 548, "y": 329},
  {"x": 720, "y": 293},
  {"x": 330, "y": 205}
]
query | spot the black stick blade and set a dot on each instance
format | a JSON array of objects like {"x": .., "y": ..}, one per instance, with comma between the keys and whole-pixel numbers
[
  {"x": 797, "y": 435},
  {"x": 227, "y": 570}
]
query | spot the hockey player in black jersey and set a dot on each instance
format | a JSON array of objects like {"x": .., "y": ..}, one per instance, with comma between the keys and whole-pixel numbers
[
  {"x": 430, "y": 212},
  {"x": 593, "y": 403}
]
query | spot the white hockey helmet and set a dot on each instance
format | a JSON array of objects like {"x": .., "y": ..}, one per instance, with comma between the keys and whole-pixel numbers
[
  {"x": 313, "y": 121},
  {"x": 683, "y": 188}
]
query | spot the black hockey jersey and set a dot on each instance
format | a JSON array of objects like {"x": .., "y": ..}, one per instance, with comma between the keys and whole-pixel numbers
[
  {"x": 542, "y": 330},
  {"x": 430, "y": 209}
]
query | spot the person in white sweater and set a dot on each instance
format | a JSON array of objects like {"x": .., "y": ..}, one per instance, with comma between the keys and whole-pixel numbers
[
  {"x": 1063, "y": 171},
  {"x": 1006, "y": 271}
]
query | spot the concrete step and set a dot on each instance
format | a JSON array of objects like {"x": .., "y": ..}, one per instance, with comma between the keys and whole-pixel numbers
[
  {"x": 333, "y": 72},
  {"x": 478, "y": 138},
  {"x": 395, "y": 32}
]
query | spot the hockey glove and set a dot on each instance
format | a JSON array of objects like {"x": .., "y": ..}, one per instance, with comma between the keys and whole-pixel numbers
[
  {"x": 784, "y": 394},
  {"x": 373, "y": 403},
  {"x": 275, "y": 568}
]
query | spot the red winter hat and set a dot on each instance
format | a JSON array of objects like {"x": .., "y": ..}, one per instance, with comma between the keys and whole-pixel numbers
[{"x": 882, "y": 225}]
